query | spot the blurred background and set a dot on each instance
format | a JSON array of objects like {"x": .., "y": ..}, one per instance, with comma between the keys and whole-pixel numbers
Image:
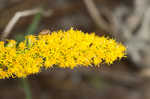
[{"x": 127, "y": 21}]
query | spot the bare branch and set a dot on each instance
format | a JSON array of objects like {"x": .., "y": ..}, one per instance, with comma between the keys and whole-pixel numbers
[
  {"x": 17, "y": 16},
  {"x": 94, "y": 13}
]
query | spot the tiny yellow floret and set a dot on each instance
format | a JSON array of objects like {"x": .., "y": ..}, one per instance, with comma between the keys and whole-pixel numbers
[{"x": 66, "y": 49}]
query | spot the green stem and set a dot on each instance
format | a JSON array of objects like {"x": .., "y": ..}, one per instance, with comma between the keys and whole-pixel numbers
[
  {"x": 34, "y": 24},
  {"x": 26, "y": 88},
  {"x": 30, "y": 30}
]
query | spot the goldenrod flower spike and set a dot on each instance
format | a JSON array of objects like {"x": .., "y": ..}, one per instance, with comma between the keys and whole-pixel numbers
[{"x": 70, "y": 48}]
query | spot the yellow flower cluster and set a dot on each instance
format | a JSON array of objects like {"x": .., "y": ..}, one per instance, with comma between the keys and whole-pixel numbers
[{"x": 70, "y": 48}]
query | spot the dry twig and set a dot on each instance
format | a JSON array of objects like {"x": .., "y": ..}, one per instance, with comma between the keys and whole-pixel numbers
[
  {"x": 94, "y": 13},
  {"x": 18, "y": 15}
]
